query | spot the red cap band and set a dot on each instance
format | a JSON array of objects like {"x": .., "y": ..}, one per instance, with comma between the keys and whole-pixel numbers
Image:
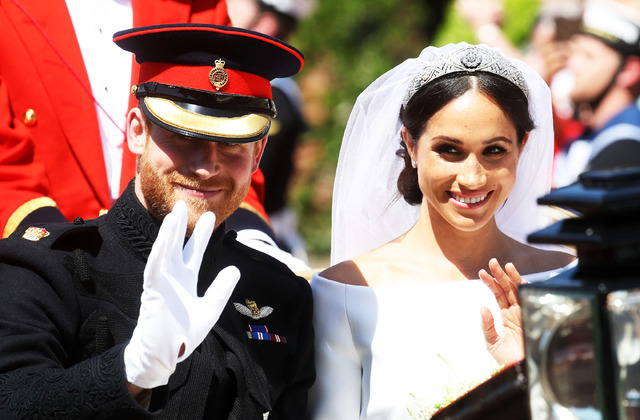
[{"x": 197, "y": 77}]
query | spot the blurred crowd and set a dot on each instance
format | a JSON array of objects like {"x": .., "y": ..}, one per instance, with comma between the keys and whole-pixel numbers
[{"x": 588, "y": 52}]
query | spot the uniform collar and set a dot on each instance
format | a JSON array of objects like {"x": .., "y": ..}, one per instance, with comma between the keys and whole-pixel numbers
[{"x": 629, "y": 115}]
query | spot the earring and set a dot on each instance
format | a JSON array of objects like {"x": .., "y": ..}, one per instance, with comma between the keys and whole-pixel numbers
[{"x": 414, "y": 164}]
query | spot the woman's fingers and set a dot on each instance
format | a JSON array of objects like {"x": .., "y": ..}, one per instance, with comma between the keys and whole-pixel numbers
[
  {"x": 503, "y": 283},
  {"x": 495, "y": 288},
  {"x": 507, "y": 283},
  {"x": 488, "y": 327}
]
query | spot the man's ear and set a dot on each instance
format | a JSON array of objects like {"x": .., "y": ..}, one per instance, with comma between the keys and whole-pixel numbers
[
  {"x": 136, "y": 130},
  {"x": 629, "y": 76},
  {"x": 257, "y": 154}
]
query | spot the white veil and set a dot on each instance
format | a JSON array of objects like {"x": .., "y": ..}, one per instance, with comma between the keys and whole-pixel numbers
[{"x": 367, "y": 209}]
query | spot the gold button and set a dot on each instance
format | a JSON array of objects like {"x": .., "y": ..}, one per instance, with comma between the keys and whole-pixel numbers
[
  {"x": 102, "y": 212},
  {"x": 30, "y": 119}
]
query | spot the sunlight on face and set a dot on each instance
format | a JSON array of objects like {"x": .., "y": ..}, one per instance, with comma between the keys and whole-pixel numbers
[
  {"x": 467, "y": 158},
  {"x": 208, "y": 176}
]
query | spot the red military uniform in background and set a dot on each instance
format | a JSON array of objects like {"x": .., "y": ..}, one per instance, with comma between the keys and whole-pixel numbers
[{"x": 50, "y": 148}]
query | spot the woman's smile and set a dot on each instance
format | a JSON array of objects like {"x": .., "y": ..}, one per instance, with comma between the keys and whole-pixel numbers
[{"x": 469, "y": 201}]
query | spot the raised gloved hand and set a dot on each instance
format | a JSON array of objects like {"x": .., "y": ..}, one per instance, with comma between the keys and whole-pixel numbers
[{"x": 173, "y": 320}]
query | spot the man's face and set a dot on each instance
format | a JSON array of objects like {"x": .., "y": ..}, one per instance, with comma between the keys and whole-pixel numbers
[
  {"x": 208, "y": 176},
  {"x": 593, "y": 65}
]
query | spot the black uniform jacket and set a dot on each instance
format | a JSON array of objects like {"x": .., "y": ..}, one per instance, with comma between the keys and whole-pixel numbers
[{"x": 69, "y": 302}]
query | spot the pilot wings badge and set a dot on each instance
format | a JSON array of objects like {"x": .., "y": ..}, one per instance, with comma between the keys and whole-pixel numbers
[{"x": 252, "y": 310}]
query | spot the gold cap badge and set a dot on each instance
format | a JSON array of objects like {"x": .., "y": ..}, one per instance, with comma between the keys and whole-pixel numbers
[
  {"x": 218, "y": 75},
  {"x": 35, "y": 234}
]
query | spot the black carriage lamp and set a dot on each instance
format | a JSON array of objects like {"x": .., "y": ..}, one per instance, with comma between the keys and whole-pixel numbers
[{"x": 582, "y": 327}]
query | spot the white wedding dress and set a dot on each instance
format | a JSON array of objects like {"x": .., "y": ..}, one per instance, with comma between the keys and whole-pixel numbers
[{"x": 382, "y": 351}]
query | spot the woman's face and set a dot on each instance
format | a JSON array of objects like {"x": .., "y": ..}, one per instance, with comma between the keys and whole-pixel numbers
[{"x": 466, "y": 158}]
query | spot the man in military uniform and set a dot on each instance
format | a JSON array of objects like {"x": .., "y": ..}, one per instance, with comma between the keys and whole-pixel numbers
[{"x": 115, "y": 318}]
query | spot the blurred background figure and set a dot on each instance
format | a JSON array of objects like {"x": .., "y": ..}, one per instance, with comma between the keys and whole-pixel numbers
[
  {"x": 605, "y": 67},
  {"x": 279, "y": 19},
  {"x": 546, "y": 50}
]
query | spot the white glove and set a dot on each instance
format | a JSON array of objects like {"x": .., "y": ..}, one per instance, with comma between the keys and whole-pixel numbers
[{"x": 172, "y": 316}]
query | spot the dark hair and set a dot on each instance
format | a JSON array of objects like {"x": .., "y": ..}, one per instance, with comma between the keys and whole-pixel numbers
[{"x": 433, "y": 96}]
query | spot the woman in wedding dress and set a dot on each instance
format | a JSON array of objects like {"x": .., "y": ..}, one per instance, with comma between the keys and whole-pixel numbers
[{"x": 440, "y": 167}]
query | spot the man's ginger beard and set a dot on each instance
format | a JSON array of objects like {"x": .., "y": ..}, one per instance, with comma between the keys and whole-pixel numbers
[{"x": 159, "y": 192}]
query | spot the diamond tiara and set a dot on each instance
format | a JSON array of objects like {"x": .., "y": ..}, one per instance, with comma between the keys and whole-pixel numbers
[{"x": 469, "y": 59}]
